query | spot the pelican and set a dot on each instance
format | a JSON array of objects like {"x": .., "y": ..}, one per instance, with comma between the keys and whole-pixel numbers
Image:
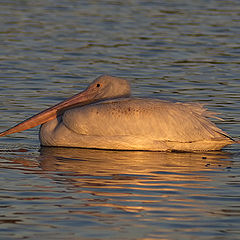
[{"x": 105, "y": 116}]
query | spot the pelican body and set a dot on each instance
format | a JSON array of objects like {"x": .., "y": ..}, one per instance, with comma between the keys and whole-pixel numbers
[{"x": 105, "y": 116}]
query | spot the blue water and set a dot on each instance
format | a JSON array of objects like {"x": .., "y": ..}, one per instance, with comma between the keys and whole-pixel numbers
[{"x": 182, "y": 50}]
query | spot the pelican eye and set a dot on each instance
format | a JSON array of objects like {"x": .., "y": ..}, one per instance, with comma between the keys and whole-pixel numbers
[{"x": 98, "y": 85}]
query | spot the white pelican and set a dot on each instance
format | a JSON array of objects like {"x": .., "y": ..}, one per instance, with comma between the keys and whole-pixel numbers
[{"x": 105, "y": 116}]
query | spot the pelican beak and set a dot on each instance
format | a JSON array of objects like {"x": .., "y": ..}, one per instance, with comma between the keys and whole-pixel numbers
[{"x": 87, "y": 96}]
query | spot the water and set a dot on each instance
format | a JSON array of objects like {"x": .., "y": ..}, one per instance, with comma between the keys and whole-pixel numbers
[{"x": 183, "y": 50}]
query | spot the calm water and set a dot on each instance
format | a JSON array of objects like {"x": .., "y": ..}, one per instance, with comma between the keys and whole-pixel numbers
[{"x": 184, "y": 50}]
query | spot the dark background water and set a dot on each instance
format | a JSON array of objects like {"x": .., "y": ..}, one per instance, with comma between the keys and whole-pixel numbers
[{"x": 183, "y": 50}]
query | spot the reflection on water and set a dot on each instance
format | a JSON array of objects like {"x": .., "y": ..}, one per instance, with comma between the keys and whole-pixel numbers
[
  {"x": 95, "y": 162},
  {"x": 141, "y": 177},
  {"x": 129, "y": 194}
]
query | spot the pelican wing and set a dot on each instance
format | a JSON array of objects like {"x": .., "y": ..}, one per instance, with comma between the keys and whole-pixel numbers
[{"x": 151, "y": 118}]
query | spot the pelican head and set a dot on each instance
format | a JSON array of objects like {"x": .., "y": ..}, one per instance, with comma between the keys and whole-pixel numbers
[
  {"x": 108, "y": 87},
  {"x": 103, "y": 88}
]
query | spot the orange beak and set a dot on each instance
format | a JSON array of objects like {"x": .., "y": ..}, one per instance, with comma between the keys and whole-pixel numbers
[{"x": 87, "y": 96}]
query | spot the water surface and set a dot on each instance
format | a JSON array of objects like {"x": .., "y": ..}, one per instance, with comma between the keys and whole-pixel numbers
[{"x": 182, "y": 50}]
